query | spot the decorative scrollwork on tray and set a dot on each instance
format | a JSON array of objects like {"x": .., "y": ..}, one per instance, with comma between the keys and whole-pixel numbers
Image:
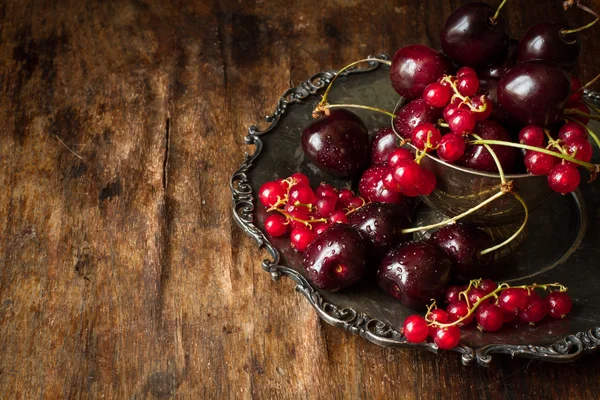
[{"x": 376, "y": 331}]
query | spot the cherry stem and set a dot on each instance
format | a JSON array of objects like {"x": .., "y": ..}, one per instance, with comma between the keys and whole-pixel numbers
[
  {"x": 495, "y": 17},
  {"x": 324, "y": 99},
  {"x": 501, "y": 287},
  {"x": 495, "y": 157},
  {"x": 453, "y": 219},
  {"x": 587, "y": 128},
  {"x": 592, "y": 106},
  {"x": 538, "y": 149},
  {"x": 569, "y": 4},
  {"x": 573, "y": 111},
  {"x": 321, "y": 107},
  {"x": 587, "y": 85},
  {"x": 442, "y": 124},
  {"x": 514, "y": 236}
]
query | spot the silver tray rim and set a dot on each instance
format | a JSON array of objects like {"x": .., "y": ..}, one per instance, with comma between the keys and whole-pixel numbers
[{"x": 567, "y": 349}]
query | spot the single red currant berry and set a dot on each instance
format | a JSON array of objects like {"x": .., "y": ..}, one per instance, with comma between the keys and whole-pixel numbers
[
  {"x": 581, "y": 107},
  {"x": 284, "y": 184},
  {"x": 449, "y": 111},
  {"x": 572, "y": 130},
  {"x": 489, "y": 317},
  {"x": 465, "y": 71},
  {"x": 398, "y": 155},
  {"x": 426, "y": 136},
  {"x": 451, "y": 295},
  {"x": 576, "y": 94},
  {"x": 563, "y": 178},
  {"x": 270, "y": 193},
  {"x": 301, "y": 237},
  {"x": 300, "y": 179},
  {"x": 447, "y": 338},
  {"x": 559, "y": 304},
  {"x": 539, "y": 163},
  {"x": 475, "y": 294},
  {"x": 415, "y": 329},
  {"x": 297, "y": 214},
  {"x": 436, "y": 95},
  {"x": 408, "y": 175},
  {"x": 457, "y": 311},
  {"x": 276, "y": 225},
  {"x": 325, "y": 206},
  {"x": 535, "y": 310},
  {"x": 427, "y": 184},
  {"x": 512, "y": 300},
  {"x": 355, "y": 202},
  {"x": 344, "y": 197},
  {"x": 319, "y": 227},
  {"x": 390, "y": 182},
  {"x": 451, "y": 147},
  {"x": 487, "y": 285},
  {"x": 437, "y": 315},
  {"x": 483, "y": 107},
  {"x": 338, "y": 216},
  {"x": 326, "y": 190},
  {"x": 302, "y": 195},
  {"x": 580, "y": 149},
  {"x": 532, "y": 135},
  {"x": 462, "y": 121},
  {"x": 468, "y": 85}
]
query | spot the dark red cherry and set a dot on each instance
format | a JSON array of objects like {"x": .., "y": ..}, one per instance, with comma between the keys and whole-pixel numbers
[
  {"x": 381, "y": 225},
  {"x": 372, "y": 187},
  {"x": 534, "y": 93},
  {"x": 479, "y": 158},
  {"x": 384, "y": 143},
  {"x": 414, "y": 273},
  {"x": 336, "y": 258},
  {"x": 470, "y": 38},
  {"x": 463, "y": 243},
  {"x": 337, "y": 143},
  {"x": 544, "y": 41},
  {"x": 416, "y": 66},
  {"x": 498, "y": 69},
  {"x": 413, "y": 114}
]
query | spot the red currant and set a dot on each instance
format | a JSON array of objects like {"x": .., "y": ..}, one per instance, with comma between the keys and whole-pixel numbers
[
  {"x": 390, "y": 182},
  {"x": 426, "y": 136},
  {"x": 436, "y": 94},
  {"x": 338, "y": 216},
  {"x": 461, "y": 121},
  {"x": 447, "y": 338},
  {"x": 302, "y": 195},
  {"x": 297, "y": 213},
  {"x": 564, "y": 178},
  {"x": 487, "y": 285},
  {"x": 299, "y": 179},
  {"x": 452, "y": 294},
  {"x": 373, "y": 188},
  {"x": 415, "y": 329},
  {"x": 344, "y": 197},
  {"x": 539, "y": 163},
  {"x": 572, "y": 130},
  {"x": 276, "y": 225},
  {"x": 484, "y": 107},
  {"x": 457, "y": 310},
  {"x": 319, "y": 227},
  {"x": 437, "y": 315},
  {"x": 449, "y": 111},
  {"x": 451, "y": 147},
  {"x": 576, "y": 94},
  {"x": 325, "y": 206},
  {"x": 465, "y": 71},
  {"x": 408, "y": 175},
  {"x": 580, "y": 149},
  {"x": 355, "y": 202},
  {"x": 427, "y": 184},
  {"x": 512, "y": 300},
  {"x": 301, "y": 237},
  {"x": 271, "y": 192},
  {"x": 468, "y": 85},
  {"x": 535, "y": 310},
  {"x": 532, "y": 135},
  {"x": 398, "y": 155},
  {"x": 559, "y": 304},
  {"x": 475, "y": 294},
  {"x": 489, "y": 317},
  {"x": 326, "y": 190}
]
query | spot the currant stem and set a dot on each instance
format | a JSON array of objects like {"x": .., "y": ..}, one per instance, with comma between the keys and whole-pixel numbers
[
  {"x": 453, "y": 219},
  {"x": 324, "y": 99},
  {"x": 587, "y": 85},
  {"x": 538, "y": 149},
  {"x": 495, "y": 157},
  {"x": 306, "y": 223},
  {"x": 589, "y": 131},
  {"x": 326, "y": 106},
  {"x": 514, "y": 236},
  {"x": 592, "y": 106},
  {"x": 572, "y": 111},
  {"x": 497, "y": 14}
]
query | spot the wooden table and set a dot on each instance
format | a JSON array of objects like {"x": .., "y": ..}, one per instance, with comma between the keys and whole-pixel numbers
[{"x": 122, "y": 273}]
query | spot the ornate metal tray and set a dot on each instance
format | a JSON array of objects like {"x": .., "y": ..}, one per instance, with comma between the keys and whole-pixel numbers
[{"x": 561, "y": 243}]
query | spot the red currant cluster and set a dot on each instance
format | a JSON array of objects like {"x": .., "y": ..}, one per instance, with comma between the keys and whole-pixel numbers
[
  {"x": 491, "y": 305},
  {"x": 303, "y": 213}
]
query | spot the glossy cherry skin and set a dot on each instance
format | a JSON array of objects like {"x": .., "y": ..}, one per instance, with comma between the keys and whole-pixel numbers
[
  {"x": 380, "y": 224},
  {"x": 498, "y": 69},
  {"x": 463, "y": 243},
  {"x": 543, "y": 41},
  {"x": 479, "y": 158},
  {"x": 413, "y": 114},
  {"x": 336, "y": 258},
  {"x": 468, "y": 36},
  {"x": 337, "y": 143},
  {"x": 416, "y": 66},
  {"x": 489, "y": 87},
  {"x": 414, "y": 273},
  {"x": 384, "y": 143},
  {"x": 372, "y": 187},
  {"x": 534, "y": 93}
]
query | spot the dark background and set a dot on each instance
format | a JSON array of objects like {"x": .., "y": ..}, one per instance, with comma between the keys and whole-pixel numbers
[{"x": 122, "y": 273}]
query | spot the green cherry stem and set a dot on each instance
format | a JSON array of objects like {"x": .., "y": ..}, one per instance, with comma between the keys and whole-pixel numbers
[
  {"x": 497, "y": 14},
  {"x": 587, "y": 85},
  {"x": 572, "y": 111},
  {"x": 510, "y": 239},
  {"x": 494, "y": 156}
]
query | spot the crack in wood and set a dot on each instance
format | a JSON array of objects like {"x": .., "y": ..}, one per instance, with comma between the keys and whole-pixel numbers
[{"x": 165, "y": 178}]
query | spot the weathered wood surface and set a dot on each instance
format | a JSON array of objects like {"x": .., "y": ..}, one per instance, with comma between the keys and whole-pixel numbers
[{"x": 122, "y": 273}]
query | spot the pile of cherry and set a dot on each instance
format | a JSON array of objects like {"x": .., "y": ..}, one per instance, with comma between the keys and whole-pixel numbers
[{"x": 490, "y": 305}]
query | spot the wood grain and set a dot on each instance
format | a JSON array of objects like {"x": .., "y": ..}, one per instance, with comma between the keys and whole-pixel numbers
[{"x": 122, "y": 273}]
